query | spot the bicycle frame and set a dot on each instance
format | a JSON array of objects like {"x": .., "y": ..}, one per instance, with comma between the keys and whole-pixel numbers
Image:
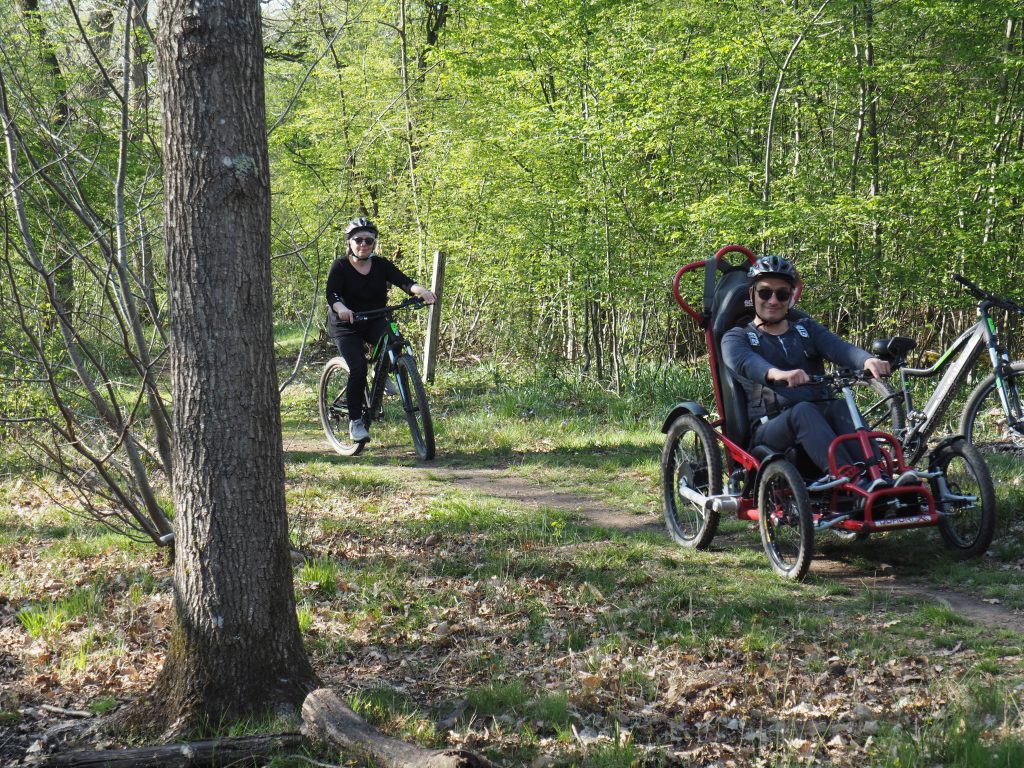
[
  {"x": 982, "y": 335},
  {"x": 389, "y": 346}
]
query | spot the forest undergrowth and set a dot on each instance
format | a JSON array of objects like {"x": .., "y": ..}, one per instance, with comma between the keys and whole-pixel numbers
[{"x": 451, "y": 616}]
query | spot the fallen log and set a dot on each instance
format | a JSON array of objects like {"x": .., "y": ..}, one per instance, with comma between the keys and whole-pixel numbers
[
  {"x": 326, "y": 719},
  {"x": 192, "y": 754}
]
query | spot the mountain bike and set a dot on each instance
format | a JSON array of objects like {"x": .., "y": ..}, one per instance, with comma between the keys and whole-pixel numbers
[
  {"x": 392, "y": 354},
  {"x": 992, "y": 417}
]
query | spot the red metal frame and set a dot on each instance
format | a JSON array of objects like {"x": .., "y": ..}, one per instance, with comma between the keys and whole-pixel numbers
[{"x": 892, "y": 453}]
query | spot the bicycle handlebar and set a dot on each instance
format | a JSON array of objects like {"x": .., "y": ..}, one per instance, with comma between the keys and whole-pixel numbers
[
  {"x": 370, "y": 314},
  {"x": 982, "y": 295}
]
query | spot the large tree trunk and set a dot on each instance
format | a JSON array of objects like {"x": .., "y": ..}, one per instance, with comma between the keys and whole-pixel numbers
[{"x": 236, "y": 649}]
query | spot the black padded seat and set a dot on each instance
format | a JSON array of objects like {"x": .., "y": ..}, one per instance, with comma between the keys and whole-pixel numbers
[{"x": 731, "y": 307}]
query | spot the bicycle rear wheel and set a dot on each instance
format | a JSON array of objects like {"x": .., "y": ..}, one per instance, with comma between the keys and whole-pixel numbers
[
  {"x": 334, "y": 408},
  {"x": 984, "y": 422},
  {"x": 417, "y": 411},
  {"x": 880, "y": 405}
]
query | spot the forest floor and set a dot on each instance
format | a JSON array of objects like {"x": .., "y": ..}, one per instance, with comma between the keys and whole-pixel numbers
[
  {"x": 496, "y": 483},
  {"x": 502, "y": 484},
  {"x": 520, "y": 596}
]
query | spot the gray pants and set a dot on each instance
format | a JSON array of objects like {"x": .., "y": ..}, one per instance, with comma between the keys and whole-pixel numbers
[{"x": 812, "y": 426}]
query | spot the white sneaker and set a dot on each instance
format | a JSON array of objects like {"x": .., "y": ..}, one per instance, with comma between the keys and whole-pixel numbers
[
  {"x": 907, "y": 478},
  {"x": 357, "y": 431}
]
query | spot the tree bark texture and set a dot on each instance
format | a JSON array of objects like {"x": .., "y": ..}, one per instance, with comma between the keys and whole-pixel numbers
[
  {"x": 236, "y": 649},
  {"x": 325, "y": 718}
]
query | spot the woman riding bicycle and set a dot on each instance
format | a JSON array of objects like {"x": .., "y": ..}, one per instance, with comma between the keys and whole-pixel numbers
[{"x": 358, "y": 282}]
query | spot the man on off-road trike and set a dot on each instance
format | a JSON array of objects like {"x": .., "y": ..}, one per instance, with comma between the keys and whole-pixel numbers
[{"x": 797, "y": 459}]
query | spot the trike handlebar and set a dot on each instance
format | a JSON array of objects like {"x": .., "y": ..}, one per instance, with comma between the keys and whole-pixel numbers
[
  {"x": 841, "y": 377},
  {"x": 982, "y": 295},
  {"x": 370, "y": 314}
]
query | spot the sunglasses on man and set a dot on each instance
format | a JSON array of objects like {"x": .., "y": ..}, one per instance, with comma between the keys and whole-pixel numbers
[
  {"x": 782, "y": 294},
  {"x": 364, "y": 240}
]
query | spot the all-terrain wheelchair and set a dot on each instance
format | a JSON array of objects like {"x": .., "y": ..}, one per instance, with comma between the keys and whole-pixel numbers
[{"x": 710, "y": 468}]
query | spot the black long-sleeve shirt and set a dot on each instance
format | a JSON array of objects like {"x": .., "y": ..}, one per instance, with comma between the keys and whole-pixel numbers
[{"x": 361, "y": 292}]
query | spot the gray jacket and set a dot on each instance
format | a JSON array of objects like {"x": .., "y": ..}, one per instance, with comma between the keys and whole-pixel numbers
[{"x": 749, "y": 353}]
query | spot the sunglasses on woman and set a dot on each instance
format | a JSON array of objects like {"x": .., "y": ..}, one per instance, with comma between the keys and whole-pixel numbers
[
  {"x": 364, "y": 240},
  {"x": 782, "y": 294}
]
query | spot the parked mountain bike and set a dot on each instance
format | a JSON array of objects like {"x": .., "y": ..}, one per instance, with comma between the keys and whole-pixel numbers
[
  {"x": 392, "y": 354},
  {"x": 992, "y": 418}
]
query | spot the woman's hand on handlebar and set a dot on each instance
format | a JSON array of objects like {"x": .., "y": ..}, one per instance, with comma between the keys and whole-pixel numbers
[
  {"x": 420, "y": 292},
  {"x": 877, "y": 367},
  {"x": 344, "y": 314}
]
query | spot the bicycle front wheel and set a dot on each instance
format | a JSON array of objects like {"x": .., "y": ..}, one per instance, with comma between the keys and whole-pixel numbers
[
  {"x": 414, "y": 402},
  {"x": 985, "y": 422},
  {"x": 334, "y": 408}
]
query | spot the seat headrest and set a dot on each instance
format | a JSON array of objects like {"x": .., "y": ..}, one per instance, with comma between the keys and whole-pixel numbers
[{"x": 731, "y": 302}]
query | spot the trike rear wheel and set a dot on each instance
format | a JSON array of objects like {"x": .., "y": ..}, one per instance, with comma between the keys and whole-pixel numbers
[
  {"x": 784, "y": 520},
  {"x": 964, "y": 498},
  {"x": 334, "y": 408},
  {"x": 691, "y": 459}
]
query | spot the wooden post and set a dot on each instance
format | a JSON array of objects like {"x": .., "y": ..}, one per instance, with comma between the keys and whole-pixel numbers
[{"x": 433, "y": 318}]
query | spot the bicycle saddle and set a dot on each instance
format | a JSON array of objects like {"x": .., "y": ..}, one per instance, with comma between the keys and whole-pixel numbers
[{"x": 893, "y": 348}]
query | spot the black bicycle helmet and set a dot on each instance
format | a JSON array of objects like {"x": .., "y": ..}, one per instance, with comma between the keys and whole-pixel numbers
[
  {"x": 774, "y": 266},
  {"x": 360, "y": 225}
]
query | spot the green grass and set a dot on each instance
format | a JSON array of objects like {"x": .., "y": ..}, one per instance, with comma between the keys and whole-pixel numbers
[
  {"x": 51, "y": 617},
  {"x": 417, "y": 595}
]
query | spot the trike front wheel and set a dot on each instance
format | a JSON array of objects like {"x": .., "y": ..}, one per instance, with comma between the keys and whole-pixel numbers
[
  {"x": 784, "y": 520},
  {"x": 964, "y": 498},
  {"x": 334, "y": 407},
  {"x": 691, "y": 461}
]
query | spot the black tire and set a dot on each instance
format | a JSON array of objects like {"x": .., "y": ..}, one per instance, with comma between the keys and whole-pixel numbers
[
  {"x": 784, "y": 520},
  {"x": 983, "y": 421},
  {"x": 880, "y": 405},
  {"x": 334, "y": 409},
  {"x": 417, "y": 410},
  {"x": 966, "y": 526},
  {"x": 691, "y": 457}
]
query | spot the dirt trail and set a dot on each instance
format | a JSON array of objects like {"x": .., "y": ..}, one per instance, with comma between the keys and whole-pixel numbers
[
  {"x": 500, "y": 484},
  {"x": 497, "y": 483}
]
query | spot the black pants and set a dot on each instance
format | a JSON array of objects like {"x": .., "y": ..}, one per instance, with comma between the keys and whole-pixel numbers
[
  {"x": 812, "y": 426},
  {"x": 352, "y": 347}
]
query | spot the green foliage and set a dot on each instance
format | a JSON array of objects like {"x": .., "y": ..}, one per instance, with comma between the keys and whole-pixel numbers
[
  {"x": 319, "y": 576},
  {"x": 570, "y": 157},
  {"x": 103, "y": 704},
  {"x": 49, "y": 618},
  {"x": 499, "y": 697}
]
